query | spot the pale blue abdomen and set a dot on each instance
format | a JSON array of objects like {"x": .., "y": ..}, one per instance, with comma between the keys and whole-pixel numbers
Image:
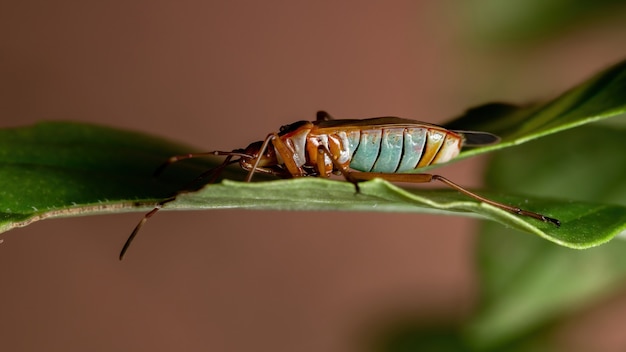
[
  {"x": 388, "y": 150},
  {"x": 397, "y": 149}
]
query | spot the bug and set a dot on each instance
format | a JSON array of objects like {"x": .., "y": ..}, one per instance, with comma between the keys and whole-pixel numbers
[{"x": 360, "y": 150}]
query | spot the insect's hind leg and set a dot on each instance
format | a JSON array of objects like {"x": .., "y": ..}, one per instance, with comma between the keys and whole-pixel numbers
[
  {"x": 509, "y": 208},
  {"x": 424, "y": 178},
  {"x": 356, "y": 177}
]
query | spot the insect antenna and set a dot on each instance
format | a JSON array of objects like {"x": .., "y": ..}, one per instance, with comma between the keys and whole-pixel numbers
[
  {"x": 215, "y": 172},
  {"x": 176, "y": 158},
  {"x": 140, "y": 224}
]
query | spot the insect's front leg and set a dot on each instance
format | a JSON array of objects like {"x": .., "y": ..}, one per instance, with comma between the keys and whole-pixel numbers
[
  {"x": 287, "y": 156},
  {"x": 259, "y": 156}
]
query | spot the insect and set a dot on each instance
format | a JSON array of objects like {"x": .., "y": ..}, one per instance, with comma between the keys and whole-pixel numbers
[{"x": 381, "y": 147}]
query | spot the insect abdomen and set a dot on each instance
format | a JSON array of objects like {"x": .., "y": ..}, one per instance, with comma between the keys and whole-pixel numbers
[{"x": 393, "y": 149}]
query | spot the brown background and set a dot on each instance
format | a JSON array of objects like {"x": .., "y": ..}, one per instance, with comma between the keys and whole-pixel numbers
[{"x": 219, "y": 75}]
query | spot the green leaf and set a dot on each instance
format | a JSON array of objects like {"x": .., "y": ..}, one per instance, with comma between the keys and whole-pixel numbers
[
  {"x": 529, "y": 284},
  {"x": 67, "y": 169},
  {"x": 583, "y": 224},
  {"x": 515, "y": 21},
  {"x": 598, "y": 98}
]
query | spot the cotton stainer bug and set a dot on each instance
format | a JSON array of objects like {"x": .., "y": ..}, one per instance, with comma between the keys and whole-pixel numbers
[{"x": 381, "y": 147}]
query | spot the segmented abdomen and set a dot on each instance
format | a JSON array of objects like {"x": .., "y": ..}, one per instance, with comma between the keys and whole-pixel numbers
[{"x": 388, "y": 149}]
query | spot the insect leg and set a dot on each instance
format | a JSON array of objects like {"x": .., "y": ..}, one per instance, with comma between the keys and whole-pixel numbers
[
  {"x": 259, "y": 156},
  {"x": 287, "y": 155},
  {"x": 509, "y": 208},
  {"x": 322, "y": 151},
  {"x": 423, "y": 178},
  {"x": 355, "y": 177},
  {"x": 281, "y": 149}
]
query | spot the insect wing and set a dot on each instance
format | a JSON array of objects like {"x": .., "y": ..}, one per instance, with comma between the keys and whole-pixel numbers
[
  {"x": 371, "y": 123},
  {"x": 477, "y": 139}
]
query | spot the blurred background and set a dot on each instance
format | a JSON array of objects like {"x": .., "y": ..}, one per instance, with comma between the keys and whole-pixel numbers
[{"x": 218, "y": 75}]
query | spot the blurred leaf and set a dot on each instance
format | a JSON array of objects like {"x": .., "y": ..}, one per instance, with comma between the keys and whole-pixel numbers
[
  {"x": 414, "y": 336},
  {"x": 527, "y": 283},
  {"x": 520, "y": 20},
  {"x": 598, "y": 98}
]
